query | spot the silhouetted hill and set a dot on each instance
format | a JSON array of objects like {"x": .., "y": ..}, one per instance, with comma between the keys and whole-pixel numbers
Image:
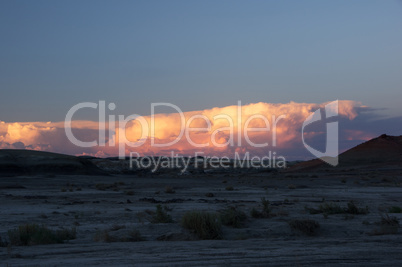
[
  {"x": 381, "y": 152},
  {"x": 31, "y": 162}
]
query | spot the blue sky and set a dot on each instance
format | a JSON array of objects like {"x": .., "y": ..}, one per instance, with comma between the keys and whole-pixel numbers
[{"x": 196, "y": 54}]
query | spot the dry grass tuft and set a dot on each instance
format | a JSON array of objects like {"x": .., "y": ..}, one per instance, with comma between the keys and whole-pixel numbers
[
  {"x": 308, "y": 227},
  {"x": 204, "y": 224}
]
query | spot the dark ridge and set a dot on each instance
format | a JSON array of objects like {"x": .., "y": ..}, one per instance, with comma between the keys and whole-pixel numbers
[
  {"x": 384, "y": 151},
  {"x": 30, "y": 162}
]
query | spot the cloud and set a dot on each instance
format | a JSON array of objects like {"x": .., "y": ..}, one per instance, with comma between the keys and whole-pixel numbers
[{"x": 217, "y": 131}]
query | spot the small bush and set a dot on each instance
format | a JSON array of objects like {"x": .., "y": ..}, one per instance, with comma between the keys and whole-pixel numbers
[
  {"x": 332, "y": 208},
  {"x": 134, "y": 236},
  {"x": 266, "y": 210},
  {"x": 104, "y": 236},
  {"x": 117, "y": 227},
  {"x": 204, "y": 224},
  {"x": 3, "y": 243},
  {"x": 169, "y": 190},
  {"x": 161, "y": 216},
  {"x": 34, "y": 234},
  {"x": 389, "y": 226},
  {"x": 387, "y": 220},
  {"x": 233, "y": 217},
  {"x": 395, "y": 209},
  {"x": 308, "y": 227},
  {"x": 255, "y": 213},
  {"x": 353, "y": 209},
  {"x": 104, "y": 187},
  {"x": 129, "y": 192},
  {"x": 291, "y": 186}
]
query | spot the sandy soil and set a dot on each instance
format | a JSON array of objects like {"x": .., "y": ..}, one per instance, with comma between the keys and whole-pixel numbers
[{"x": 67, "y": 201}]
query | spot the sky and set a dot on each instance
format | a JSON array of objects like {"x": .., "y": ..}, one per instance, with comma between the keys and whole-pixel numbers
[{"x": 199, "y": 55}]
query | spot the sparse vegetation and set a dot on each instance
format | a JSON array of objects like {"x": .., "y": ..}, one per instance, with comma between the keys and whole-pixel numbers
[
  {"x": 291, "y": 186},
  {"x": 129, "y": 192},
  {"x": 388, "y": 225},
  {"x": 233, "y": 217},
  {"x": 306, "y": 226},
  {"x": 204, "y": 224},
  {"x": 34, "y": 234},
  {"x": 104, "y": 187},
  {"x": 333, "y": 208},
  {"x": 387, "y": 220},
  {"x": 117, "y": 227},
  {"x": 395, "y": 209},
  {"x": 132, "y": 235},
  {"x": 161, "y": 215},
  {"x": 266, "y": 210},
  {"x": 169, "y": 190}
]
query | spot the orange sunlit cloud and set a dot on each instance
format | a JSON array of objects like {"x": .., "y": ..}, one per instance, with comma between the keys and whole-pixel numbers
[{"x": 216, "y": 131}]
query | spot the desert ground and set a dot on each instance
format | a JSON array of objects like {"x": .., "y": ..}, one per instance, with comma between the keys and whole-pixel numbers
[{"x": 106, "y": 210}]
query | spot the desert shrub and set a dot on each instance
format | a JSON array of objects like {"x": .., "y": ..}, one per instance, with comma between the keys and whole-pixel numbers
[
  {"x": 34, "y": 234},
  {"x": 266, "y": 210},
  {"x": 134, "y": 236},
  {"x": 229, "y": 188},
  {"x": 265, "y": 205},
  {"x": 131, "y": 236},
  {"x": 3, "y": 243},
  {"x": 291, "y": 186},
  {"x": 102, "y": 187},
  {"x": 161, "y": 216},
  {"x": 116, "y": 227},
  {"x": 129, "y": 192},
  {"x": 332, "y": 208},
  {"x": 389, "y": 225},
  {"x": 353, "y": 209},
  {"x": 114, "y": 186},
  {"x": 204, "y": 224},
  {"x": 103, "y": 236},
  {"x": 308, "y": 227},
  {"x": 395, "y": 209},
  {"x": 255, "y": 213},
  {"x": 169, "y": 190},
  {"x": 387, "y": 220},
  {"x": 233, "y": 217}
]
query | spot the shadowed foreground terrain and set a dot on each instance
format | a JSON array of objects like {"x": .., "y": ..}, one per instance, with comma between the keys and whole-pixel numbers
[
  {"x": 106, "y": 209},
  {"x": 315, "y": 216}
]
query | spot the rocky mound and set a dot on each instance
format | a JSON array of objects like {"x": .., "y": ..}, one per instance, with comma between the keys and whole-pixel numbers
[
  {"x": 30, "y": 162},
  {"x": 381, "y": 152}
]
